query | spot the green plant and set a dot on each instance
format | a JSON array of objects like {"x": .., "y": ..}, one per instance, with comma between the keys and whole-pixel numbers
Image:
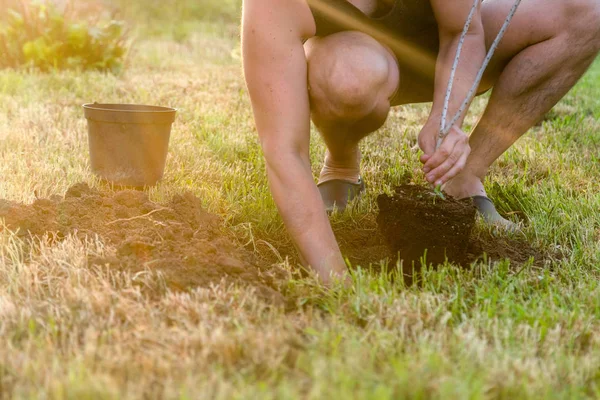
[
  {"x": 439, "y": 193},
  {"x": 43, "y": 36}
]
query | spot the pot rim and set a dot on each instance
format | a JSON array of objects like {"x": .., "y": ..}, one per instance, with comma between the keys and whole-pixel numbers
[{"x": 150, "y": 109}]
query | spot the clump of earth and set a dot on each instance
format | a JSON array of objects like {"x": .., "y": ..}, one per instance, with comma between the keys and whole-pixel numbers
[
  {"x": 416, "y": 219},
  {"x": 180, "y": 239},
  {"x": 417, "y": 224}
]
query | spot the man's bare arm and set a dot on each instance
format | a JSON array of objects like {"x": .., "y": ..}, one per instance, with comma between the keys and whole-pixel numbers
[
  {"x": 445, "y": 163},
  {"x": 276, "y": 74}
]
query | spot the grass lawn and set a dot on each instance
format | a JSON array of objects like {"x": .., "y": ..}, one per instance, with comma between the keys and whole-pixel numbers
[{"x": 491, "y": 331}]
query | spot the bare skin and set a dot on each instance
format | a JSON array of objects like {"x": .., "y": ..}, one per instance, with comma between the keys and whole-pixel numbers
[
  {"x": 352, "y": 77},
  {"x": 542, "y": 57},
  {"x": 531, "y": 73},
  {"x": 275, "y": 67}
]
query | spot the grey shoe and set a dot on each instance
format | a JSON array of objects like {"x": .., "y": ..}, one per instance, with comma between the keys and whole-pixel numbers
[
  {"x": 487, "y": 210},
  {"x": 338, "y": 193}
]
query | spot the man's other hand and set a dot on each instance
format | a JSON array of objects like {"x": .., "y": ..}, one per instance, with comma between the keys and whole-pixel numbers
[{"x": 445, "y": 163}]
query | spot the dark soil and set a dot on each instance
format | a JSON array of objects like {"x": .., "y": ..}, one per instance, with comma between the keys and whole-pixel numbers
[
  {"x": 413, "y": 225},
  {"x": 178, "y": 239},
  {"x": 188, "y": 246},
  {"x": 362, "y": 244},
  {"x": 496, "y": 248},
  {"x": 418, "y": 223}
]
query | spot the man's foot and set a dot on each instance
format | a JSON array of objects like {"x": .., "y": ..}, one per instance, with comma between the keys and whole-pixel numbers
[
  {"x": 464, "y": 186},
  {"x": 485, "y": 207},
  {"x": 340, "y": 181},
  {"x": 337, "y": 193}
]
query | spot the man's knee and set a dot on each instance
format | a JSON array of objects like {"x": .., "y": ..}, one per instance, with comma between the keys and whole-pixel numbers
[
  {"x": 348, "y": 76},
  {"x": 582, "y": 20}
]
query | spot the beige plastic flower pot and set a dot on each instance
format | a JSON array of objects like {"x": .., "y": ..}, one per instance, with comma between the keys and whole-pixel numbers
[{"x": 128, "y": 142}]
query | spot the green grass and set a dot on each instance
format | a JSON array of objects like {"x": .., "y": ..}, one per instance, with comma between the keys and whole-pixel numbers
[{"x": 488, "y": 332}]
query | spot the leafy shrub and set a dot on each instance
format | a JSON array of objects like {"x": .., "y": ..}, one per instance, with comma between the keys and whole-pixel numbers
[{"x": 44, "y": 36}]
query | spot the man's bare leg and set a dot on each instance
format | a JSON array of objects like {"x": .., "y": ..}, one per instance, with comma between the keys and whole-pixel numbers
[
  {"x": 545, "y": 52},
  {"x": 351, "y": 80}
]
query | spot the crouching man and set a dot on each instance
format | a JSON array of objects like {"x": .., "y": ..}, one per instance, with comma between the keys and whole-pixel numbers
[{"x": 345, "y": 63}]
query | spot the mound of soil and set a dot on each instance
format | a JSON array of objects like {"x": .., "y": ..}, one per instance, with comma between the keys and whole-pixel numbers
[
  {"x": 179, "y": 239},
  {"x": 496, "y": 248},
  {"x": 415, "y": 219}
]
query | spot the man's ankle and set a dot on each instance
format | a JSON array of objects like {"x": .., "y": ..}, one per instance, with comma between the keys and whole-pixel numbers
[
  {"x": 465, "y": 185},
  {"x": 344, "y": 174},
  {"x": 345, "y": 169}
]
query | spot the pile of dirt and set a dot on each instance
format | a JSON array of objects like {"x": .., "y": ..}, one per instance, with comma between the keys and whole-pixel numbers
[
  {"x": 496, "y": 248},
  {"x": 179, "y": 239},
  {"x": 188, "y": 247}
]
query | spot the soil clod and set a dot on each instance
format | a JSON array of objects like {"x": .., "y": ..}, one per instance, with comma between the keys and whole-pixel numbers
[{"x": 419, "y": 223}]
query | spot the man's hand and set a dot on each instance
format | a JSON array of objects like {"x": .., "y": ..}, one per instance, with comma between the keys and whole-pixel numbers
[{"x": 449, "y": 160}]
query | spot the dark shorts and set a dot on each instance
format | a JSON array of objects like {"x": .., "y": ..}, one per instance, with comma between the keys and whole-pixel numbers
[{"x": 409, "y": 29}]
